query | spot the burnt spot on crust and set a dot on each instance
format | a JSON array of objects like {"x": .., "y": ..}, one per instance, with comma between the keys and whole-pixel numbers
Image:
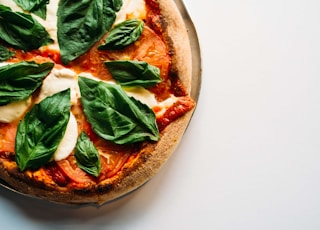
[
  {"x": 103, "y": 189},
  {"x": 154, "y": 18}
]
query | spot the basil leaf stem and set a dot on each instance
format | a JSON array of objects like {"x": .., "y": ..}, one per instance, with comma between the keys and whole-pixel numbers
[
  {"x": 87, "y": 155},
  {"x": 123, "y": 34},
  {"x": 41, "y": 130},
  {"x": 19, "y": 80},
  {"x": 134, "y": 73},
  {"x": 83, "y": 23},
  {"x": 114, "y": 115},
  {"x": 21, "y": 30}
]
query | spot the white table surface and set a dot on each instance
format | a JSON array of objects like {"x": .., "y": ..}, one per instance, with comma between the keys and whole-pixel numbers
[{"x": 250, "y": 159}]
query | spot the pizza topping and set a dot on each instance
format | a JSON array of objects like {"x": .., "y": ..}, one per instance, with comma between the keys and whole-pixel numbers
[
  {"x": 57, "y": 175},
  {"x": 114, "y": 116},
  {"x": 83, "y": 23},
  {"x": 176, "y": 110},
  {"x": 38, "y": 7},
  {"x": 111, "y": 168},
  {"x": 40, "y": 132},
  {"x": 73, "y": 172},
  {"x": 14, "y": 110},
  {"x": 131, "y": 9},
  {"x": 87, "y": 155},
  {"x": 5, "y": 53},
  {"x": 21, "y": 30},
  {"x": 58, "y": 80},
  {"x": 68, "y": 141},
  {"x": 123, "y": 34},
  {"x": 141, "y": 94},
  {"x": 7, "y": 137},
  {"x": 19, "y": 80},
  {"x": 134, "y": 73}
]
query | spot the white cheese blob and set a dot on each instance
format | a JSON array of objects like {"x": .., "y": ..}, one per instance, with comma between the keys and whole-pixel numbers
[
  {"x": 68, "y": 141},
  {"x": 143, "y": 95},
  {"x": 131, "y": 9},
  {"x": 51, "y": 20},
  {"x": 58, "y": 80},
  {"x": 14, "y": 110},
  {"x": 164, "y": 105}
]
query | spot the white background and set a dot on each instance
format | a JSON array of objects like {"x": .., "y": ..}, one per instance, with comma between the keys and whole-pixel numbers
[{"x": 250, "y": 158}]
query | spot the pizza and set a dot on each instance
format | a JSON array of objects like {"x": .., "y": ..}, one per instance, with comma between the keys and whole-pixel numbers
[{"x": 94, "y": 95}]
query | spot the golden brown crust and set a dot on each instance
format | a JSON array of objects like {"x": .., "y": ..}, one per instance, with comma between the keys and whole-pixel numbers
[{"x": 151, "y": 158}]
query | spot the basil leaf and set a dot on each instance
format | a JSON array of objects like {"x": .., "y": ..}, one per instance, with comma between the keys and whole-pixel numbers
[
  {"x": 83, "y": 23},
  {"x": 5, "y": 54},
  {"x": 87, "y": 155},
  {"x": 41, "y": 131},
  {"x": 123, "y": 34},
  {"x": 38, "y": 7},
  {"x": 116, "y": 4},
  {"x": 114, "y": 115},
  {"x": 134, "y": 73},
  {"x": 18, "y": 81},
  {"x": 22, "y": 30}
]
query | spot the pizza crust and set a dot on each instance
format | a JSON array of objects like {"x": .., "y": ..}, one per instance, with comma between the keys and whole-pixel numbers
[
  {"x": 153, "y": 155},
  {"x": 177, "y": 34}
]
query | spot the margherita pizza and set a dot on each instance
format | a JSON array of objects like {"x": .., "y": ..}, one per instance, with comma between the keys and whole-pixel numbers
[{"x": 94, "y": 95}]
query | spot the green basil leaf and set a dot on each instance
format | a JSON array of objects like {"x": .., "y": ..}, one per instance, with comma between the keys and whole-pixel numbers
[
  {"x": 19, "y": 80},
  {"x": 41, "y": 131},
  {"x": 114, "y": 115},
  {"x": 22, "y": 30},
  {"x": 116, "y": 4},
  {"x": 5, "y": 54},
  {"x": 123, "y": 34},
  {"x": 38, "y": 7},
  {"x": 87, "y": 155},
  {"x": 134, "y": 73},
  {"x": 83, "y": 23}
]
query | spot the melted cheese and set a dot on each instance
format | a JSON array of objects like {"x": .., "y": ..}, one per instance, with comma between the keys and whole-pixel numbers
[
  {"x": 68, "y": 141},
  {"x": 14, "y": 110},
  {"x": 164, "y": 105},
  {"x": 143, "y": 95},
  {"x": 131, "y": 9},
  {"x": 58, "y": 80}
]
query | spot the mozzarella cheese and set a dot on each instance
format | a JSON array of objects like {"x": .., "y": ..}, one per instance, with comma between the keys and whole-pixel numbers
[
  {"x": 142, "y": 95},
  {"x": 14, "y": 110},
  {"x": 58, "y": 80},
  {"x": 164, "y": 105},
  {"x": 68, "y": 141},
  {"x": 131, "y": 9}
]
